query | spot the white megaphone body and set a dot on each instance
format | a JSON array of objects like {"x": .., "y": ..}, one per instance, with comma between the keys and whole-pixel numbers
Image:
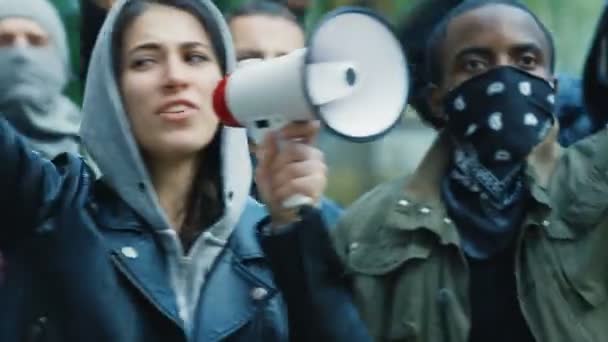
[{"x": 352, "y": 76}]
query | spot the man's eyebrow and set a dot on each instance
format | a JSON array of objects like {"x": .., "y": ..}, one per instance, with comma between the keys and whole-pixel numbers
[
  {"x": 250, "y": 54},
  {"x": 473, "y": 50},
  {"x": 523, "y": 47}
]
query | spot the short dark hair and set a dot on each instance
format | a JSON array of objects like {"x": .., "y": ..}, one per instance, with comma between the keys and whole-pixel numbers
[
  {"x": 433, "y": 73},
  {"x": 263, "y": 7},
  {"x": 434, "y": 68}
]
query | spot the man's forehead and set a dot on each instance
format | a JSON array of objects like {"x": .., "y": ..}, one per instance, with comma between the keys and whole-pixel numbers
[
  {"x": 20, "y": 24},
  {"x": 493, "y": 25}
]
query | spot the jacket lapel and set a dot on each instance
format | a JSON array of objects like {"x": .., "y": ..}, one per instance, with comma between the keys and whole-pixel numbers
[
  {"x": 137, "y": 255},
  {"x": 240, "y": 284}
]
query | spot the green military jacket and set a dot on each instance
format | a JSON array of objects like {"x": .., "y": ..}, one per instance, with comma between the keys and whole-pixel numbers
[{"x": 410, "y": 277}]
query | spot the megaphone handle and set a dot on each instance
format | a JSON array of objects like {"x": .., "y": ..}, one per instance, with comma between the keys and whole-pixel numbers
[
  {"x": 297, "y": 200},
  {"x": 257, "y": 132}
]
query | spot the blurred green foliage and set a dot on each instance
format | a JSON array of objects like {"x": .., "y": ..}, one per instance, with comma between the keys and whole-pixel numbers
[{"x": 70, "y": 14}]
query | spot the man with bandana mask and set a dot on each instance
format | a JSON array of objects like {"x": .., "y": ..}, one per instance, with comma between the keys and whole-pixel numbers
[
  {"x": 499, "y": 234},
  {"x": 34, "y": 70}
]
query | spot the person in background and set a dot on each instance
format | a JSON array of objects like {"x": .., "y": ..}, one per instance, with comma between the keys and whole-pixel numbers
[
  {"x": 34, "y": 70},
  {"x": 267, "y": 29},
  {"x": 264, "y": 29}
]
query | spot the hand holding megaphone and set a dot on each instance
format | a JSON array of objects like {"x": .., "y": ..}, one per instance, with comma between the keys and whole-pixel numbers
[
  {"x": 352, "y": 76},
  {"x": 291, "y": 172},
  {"x": 258, "y": 133}
]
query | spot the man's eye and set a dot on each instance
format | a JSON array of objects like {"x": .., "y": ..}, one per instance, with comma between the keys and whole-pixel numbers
[
  {"x": 37, "y": 40},
  {"x": 475, "y": 65},
  {"x": 528, "y": 61},
  {"x": 6, "y": 39},
  {"x": 243, "y": 57}
]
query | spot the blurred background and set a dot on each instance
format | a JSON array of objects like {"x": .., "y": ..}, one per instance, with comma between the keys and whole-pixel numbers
[{"x": 355, "y": 168}]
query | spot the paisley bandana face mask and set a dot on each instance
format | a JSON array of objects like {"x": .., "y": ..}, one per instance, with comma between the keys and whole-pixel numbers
[
  {"x": 495, "y": 120},
  {"x": 503, "y": 113}
]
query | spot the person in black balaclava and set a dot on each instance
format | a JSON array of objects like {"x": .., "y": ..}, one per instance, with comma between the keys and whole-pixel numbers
[{"x": 34, "y": 70}]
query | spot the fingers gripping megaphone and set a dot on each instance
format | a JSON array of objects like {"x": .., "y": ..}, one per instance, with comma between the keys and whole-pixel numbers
[{"x": 352, "y": 76}]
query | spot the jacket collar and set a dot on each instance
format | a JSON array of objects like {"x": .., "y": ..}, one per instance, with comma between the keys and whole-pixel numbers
[
  {"x": 111, "y": 212},
  {"x": 240, "y": 284},
  {"x": 237, "y": 272},
  {"x": 244, "y": 242},
  {"x": 133, "y": 249},
  {"x": 419, "y": 203}
]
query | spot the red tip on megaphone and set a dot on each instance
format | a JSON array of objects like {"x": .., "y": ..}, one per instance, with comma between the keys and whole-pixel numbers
[{"x": 220, "y": 105}]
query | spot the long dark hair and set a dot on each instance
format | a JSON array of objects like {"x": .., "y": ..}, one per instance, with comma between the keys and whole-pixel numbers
[{"x": 205, "y": 202}]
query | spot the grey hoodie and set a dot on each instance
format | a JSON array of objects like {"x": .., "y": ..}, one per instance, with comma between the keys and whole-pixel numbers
[{"x": 107, "y": 136}]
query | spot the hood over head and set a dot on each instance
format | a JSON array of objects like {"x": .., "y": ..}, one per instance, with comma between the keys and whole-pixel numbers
[{"x": 107, "y": 136}]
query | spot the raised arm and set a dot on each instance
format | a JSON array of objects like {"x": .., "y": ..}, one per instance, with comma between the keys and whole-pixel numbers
[
  {"x": 30, "y": 185},
  {"x": 579, "y": 184}
]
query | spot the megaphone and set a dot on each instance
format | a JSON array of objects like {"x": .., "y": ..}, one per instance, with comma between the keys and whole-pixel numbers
[{"x": 352, "y": 76}]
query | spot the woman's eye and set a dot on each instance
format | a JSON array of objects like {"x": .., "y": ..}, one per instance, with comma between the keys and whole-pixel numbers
[
  {"x": 197, "y": 58},
  {"x": 141, "y": 63}
]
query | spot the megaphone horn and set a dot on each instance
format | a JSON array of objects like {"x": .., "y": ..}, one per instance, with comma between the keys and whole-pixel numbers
[{"x": 352, "y": 76}]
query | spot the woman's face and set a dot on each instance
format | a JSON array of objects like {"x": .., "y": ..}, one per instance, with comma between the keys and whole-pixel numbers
[{"x": 167, "y": 76}]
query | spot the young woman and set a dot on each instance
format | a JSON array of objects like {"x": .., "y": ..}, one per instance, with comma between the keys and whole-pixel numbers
[{"x": 165, "y": 245}]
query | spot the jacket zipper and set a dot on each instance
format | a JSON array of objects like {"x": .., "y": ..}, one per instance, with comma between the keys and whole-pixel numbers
[
  {"x": 444, "y": 300},
  {"x": 521, "y": 304}
]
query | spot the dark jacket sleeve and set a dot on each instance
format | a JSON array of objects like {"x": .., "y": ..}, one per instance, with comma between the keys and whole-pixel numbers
[
  {"x": 313, "y": 283},
  {"x": 30, "y": 185}
]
